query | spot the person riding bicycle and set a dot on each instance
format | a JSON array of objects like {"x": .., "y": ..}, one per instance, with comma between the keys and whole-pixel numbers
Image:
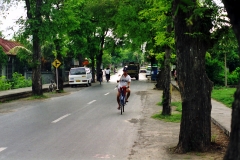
[{"x": 124, "y": 80}]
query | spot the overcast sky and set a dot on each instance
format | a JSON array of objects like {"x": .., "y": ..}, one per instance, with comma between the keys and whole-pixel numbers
[
  {"x": 15, "y": 13},
  {"x": 9, "y": 20}
]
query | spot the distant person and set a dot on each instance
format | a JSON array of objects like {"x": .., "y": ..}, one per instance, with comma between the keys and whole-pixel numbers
[
  {"x": 107, "y": 72},
  {"x": 175, "y": 76}
]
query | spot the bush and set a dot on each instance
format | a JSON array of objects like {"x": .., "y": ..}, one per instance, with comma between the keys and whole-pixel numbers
[
  {"x": 215, "y": 71},
  {"x": 19, "y": 81},
  {"x": 4, "y": 84},
  {"x": 233, "y": 79}
]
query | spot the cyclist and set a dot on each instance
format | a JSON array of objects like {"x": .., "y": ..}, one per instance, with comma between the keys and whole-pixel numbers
[{"x": 124, "y": 80}]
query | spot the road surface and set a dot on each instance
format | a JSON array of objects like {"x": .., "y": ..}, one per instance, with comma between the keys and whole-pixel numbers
[{"x": 82, "y": 125}]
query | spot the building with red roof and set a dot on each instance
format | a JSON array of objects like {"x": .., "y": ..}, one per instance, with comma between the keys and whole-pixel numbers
[
  {"x": 8, "y": 69},
  {"x": 8, "y": 45}
]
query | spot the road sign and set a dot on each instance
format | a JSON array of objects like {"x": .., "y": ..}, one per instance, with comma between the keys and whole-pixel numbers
[{"x": 56, "y": 63}]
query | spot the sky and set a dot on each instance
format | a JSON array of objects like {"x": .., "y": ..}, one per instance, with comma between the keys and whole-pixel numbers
[
  {"x": 15, "y": 13},
  {"x": 10, "y": 19}
]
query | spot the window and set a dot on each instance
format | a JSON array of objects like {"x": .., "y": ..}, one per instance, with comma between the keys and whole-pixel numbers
[{"x": 77, "y": 71}]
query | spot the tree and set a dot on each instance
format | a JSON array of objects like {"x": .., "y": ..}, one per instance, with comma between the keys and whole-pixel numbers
[
  {"x": 192, "y": 23},
  {"x": 46, "y": 22},
  {"x": 102, "y": 13},
  {"x": 233, "y": 151},
  {"x": 34, "y": 15},
  {"x": 134, "y": 27}
]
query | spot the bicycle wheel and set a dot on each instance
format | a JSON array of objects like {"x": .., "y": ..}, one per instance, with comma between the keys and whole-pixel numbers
[
  {"x": 122, "y": 104},
  {"x": 121, "y": 108}
]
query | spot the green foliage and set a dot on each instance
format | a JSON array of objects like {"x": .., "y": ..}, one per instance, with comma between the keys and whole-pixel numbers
[
  {"x": 224, "y": 95},
  {"x": 215, "y": 71},
  {"x": 178, "y": 106},
  {"x": 232, "y": 79},
  {"x": 19, "y": 81},
  {"x": 3, "y": 57},
  {"x": 176, "y": 117},
  {"x": 225, "y": 45},
  {"x": 106, "y": 60},
  {"x": 4, "y": 84}
]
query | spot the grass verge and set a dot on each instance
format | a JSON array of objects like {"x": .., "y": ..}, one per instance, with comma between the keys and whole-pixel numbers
[
  {"x": 175, "y": 117},
  {"x": 224, "y": 95},
  {"x": 38, "y": 97}
]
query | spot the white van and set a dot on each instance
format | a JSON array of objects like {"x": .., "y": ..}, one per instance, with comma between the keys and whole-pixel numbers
[{"x": 80, "y": 75}]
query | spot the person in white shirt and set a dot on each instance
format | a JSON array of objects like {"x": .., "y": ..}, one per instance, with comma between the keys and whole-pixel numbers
[
  {"x": 124, "y": 80},
  {"x": 107, "y": 72}
]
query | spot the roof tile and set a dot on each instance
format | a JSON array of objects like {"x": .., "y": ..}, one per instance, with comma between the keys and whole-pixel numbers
[{"x": 8, "y": 45}]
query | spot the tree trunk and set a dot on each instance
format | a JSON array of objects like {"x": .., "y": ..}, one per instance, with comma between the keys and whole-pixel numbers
[
  {"x": 160, "y": 79},
  {"x": 99, "y": 56},
  {"x": 36, "y": 70},
  {"x": 233, "y": 151},
  {"x": 167, "y": 78},
  {"x": 93, "y": 68},
  {"x": 80, "y": 60},
  {"x": 195, "y": 87}
]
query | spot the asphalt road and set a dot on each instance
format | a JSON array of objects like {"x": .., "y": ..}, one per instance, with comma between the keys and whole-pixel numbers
[{"x": 82, "y": 125}]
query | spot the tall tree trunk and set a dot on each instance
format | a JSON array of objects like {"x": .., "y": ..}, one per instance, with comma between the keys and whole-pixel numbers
[
  {"x": 99, "y": 56},
  {"x": 194, "y": 85},
  {"x": 233, "y": 151},
  {"x": 167, "y": 78},
  {"x": 80, "y": 60},
  {"x": 36, "y": 70},
  {"x": 93, "y": 68}
]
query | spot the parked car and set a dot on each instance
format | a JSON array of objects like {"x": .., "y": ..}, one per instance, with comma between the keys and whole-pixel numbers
[
  {"x": 148, "y": 73},
  {"x": 142, "y": 70},
  {"x": 79, "y": 76}
]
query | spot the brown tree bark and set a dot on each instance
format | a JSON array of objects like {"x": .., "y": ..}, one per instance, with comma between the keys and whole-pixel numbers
[
  {"x": 166, "y": 102},
  {"x": 99, "y": 56},
  {"x": 160, "y": 79},
  {"x": 36, "y": 69},
  {"x": 233, "y": 151},
  {"x": 194, "y": 85},
  {"x": 80, "y": 60}
]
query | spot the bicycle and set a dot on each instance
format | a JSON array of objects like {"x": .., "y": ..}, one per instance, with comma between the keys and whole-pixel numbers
[
  {"x": 122, "y": 98},
  {"x": 52, "y": 86}
]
